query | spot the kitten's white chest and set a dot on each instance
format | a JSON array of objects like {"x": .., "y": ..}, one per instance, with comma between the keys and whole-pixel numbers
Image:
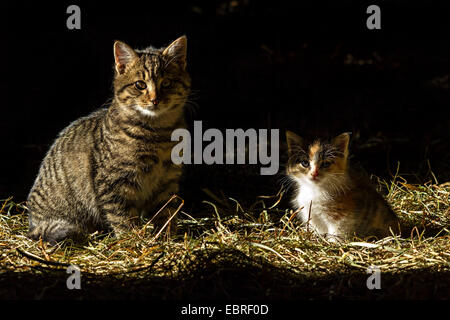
[
  {"x": 312, "y": 199},
  {"x": 308, "y": 196}
]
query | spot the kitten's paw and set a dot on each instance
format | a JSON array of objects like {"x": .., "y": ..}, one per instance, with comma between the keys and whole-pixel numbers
[{"x": 334, "y": 238}]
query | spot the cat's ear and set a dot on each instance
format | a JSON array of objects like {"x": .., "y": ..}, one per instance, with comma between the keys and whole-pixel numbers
[
  {"x": 123, "y": 56},
  {"x": 176, "y": 51},
  {"x": 341, "y": 142},
  {"x": 294, "y": 141}
]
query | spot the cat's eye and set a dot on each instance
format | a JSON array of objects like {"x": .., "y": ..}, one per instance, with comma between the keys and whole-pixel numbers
[
  {"x": 140, "y": 85},
  {"x": 166, "y": 83},
  {"x": 304, "y": 163},
  {"x": 325, "y": 164}
]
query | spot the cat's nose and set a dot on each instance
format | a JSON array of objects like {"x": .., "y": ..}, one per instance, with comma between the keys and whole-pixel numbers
[
  {"x": 154, "y": 101},
  {"x": 314, "y": 174}
]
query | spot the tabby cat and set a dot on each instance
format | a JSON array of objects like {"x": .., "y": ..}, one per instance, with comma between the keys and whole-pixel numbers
[
  {"x": 333, "y": 198},
  {"x": 106, "y": 170}
]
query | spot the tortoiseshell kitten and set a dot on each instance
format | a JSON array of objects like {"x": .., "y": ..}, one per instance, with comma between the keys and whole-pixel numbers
[
  {"x": 106, "y": 170},
  {"x": 333, "y": 199}
]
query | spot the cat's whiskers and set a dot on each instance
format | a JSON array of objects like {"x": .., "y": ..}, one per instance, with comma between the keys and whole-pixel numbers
[
  {"x": 338, "y": 182},
  {"x": 108, "y": 102},
  {"x": 287, "y": 182}
]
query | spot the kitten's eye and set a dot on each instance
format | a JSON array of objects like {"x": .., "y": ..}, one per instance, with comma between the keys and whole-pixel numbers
[
  {"x": 325, "y": 164},
  {"x": 140, "y": 85},
  {"x": 166, "y": 83},
  {"x": 304, "y": 163}
]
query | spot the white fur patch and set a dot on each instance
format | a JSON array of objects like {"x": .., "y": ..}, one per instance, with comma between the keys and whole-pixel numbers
[
  {"x": 312, "y": 198},
  {"x": 309, "y": 192},
  {"x": 144, "y": 112}
]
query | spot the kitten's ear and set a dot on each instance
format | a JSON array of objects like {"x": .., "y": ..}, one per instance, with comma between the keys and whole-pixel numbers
[
  {"x": 341, "y": 142},
  {"x": 123, "y": 56},
  {"x": 176, "y": 51},
  {"x": 293, "y": 140}
]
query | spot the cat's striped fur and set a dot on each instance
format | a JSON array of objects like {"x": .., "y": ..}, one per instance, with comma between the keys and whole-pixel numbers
[
  {"x": 332, "y": 198},
  {"x": 107, "y": 169}
]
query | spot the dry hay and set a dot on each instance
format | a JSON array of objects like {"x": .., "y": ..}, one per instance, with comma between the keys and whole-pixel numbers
[{"x": 262, "y": 242}]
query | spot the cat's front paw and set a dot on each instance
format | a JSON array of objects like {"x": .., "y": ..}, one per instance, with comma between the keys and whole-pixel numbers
[{"x": 333, "y": 238}]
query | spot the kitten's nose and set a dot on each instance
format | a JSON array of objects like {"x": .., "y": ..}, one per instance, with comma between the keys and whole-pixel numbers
[
  {"x": 314, "y": 174},
  {"x": 154, "y": 101}
]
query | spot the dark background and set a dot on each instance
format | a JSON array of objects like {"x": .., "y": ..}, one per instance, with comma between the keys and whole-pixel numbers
[{"x": 311, "y": 67}]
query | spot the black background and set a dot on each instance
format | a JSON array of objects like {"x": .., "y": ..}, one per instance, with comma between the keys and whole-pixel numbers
[{"x": 254, "y": 64}]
